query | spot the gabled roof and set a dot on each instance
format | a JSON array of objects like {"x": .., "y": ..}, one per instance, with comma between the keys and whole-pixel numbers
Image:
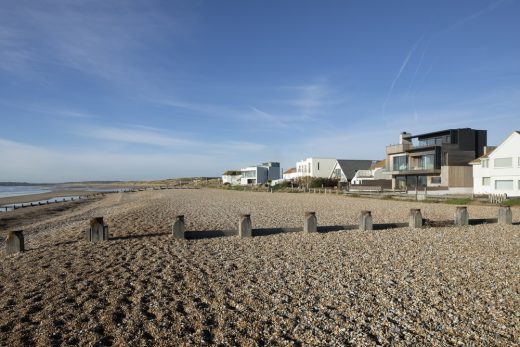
[
  {"x": 477, "y": 160},
  {"x": 290, "y": 170},
  {"x": 491, "y": 150},
  {"x": 349, "y": 167}
]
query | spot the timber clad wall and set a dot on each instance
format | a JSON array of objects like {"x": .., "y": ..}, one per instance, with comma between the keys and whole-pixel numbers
[{"x": 457, "y": 176}]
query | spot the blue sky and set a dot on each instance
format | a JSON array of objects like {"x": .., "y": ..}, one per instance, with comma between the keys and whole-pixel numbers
[{"x": 101, "y": 90}]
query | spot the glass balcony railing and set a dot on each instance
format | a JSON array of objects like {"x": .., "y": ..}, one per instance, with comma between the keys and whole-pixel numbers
[{"x": 410, "y": 167}]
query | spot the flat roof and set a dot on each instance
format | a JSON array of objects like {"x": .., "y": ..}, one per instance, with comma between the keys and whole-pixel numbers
[{"x": 440, "y": 133}]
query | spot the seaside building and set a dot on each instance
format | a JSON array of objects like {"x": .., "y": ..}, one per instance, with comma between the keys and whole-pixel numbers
[
  {"x": 290, "y": 174},
  {"x": 439, "y": 159},
  {"x": 260, "y": 174},
  {"x": 345, "y": 169},
  {"x": 377, "y": 174},
  {"x": 315, "y": 167},
  {"x": 342, "y": 169},
  {"x": 498, "y": 170},
  {"x": 231, "y": 177}
]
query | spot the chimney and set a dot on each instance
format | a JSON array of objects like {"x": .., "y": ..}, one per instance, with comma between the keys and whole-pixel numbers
[{"x": 405, "y": 138}]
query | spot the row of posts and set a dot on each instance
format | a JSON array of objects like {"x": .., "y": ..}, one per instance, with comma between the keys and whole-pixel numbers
[
  {"x": 310, "y": 222},
  {"x": 98, "y": 230}
]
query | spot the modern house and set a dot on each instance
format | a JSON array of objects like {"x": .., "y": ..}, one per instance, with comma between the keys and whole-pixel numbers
[
  {"x": 316, "y": 167},
  {"x": 345, "y": 169},
  {"x": 438, "y": 159},
  {"x": 376, "y": 174},
  {"x": 498, "y": 170},
  {"x": 260, "y": 174},
  {"x": 257, "y": 174}
]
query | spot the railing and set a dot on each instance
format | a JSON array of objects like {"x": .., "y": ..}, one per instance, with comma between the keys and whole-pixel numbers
[
  {"x": 398, "y": 148},
  {"x": 415, "y": 167}
]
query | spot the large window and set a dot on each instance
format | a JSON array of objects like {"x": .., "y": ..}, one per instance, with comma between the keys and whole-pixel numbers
[
  {"x": 249, "y": 174},
  {"x": 504, "y": 185},
  {"x": 503, "y": 162},
  {"x": 485, "y": 163},
  {"x": 486, "y": 181},
  {"x": 400, "y": 163},
  {"x": 427, "y": 161},
  {"x": 435, "y": 141}
]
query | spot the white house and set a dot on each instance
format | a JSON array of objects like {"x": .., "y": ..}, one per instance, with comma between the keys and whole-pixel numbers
[
  {"x": 291, "y": 174},
  {"x": 346, "y": 169},
  {"x": 498, "y": 170},
  {"x": 376, "y": 172},
  {"x": 315, "y": 167},
  {"x": 231, "y": 178}
]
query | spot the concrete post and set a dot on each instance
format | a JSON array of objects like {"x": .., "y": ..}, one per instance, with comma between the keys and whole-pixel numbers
[
  {"x": 365, "y": 221},
  {"x": 415, "y": 220},
  {"x": 461, "y": 216},
  {"x": 244, "y": 226},
  {"x": 505, "y": 216},
  {"x": 179, "y": 227},
  {"x": 310, "y": 223},
  {"x": 14, "y": 242},
  {"x": 98, "y": 230}
]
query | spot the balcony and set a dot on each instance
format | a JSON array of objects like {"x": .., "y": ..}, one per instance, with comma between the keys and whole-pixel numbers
[
  {"x": 410, "y": 169},
  {"x": 400, "y": 148}
]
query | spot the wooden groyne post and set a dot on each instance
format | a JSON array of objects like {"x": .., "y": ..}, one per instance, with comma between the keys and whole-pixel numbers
[
  {"x": 310, "y": 222},
  {"x": 505, "y": 216},
  {"x": 415, "y": 219},
  {"x": 365, "y": 221},
  {"x": 14, "y": 242},
  {"x": 98, "y": 230},
  {"x": 245, "y": 228},
  {"x": 461, "y": 216},
  {"x": 179, "y": 227}
]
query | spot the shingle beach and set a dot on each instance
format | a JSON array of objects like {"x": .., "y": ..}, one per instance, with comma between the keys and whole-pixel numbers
[{"x": 432, "y": 286}]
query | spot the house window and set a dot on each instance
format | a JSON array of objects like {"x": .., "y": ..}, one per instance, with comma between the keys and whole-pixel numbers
[
  {"x": 309, "y": 168},
  {"x": 503, "y": 162},
  {"x": 436, "y": 180},
  {"x": 400, "y": 163},
  {"x": 485, "y": 163},
  {"x": 504, "y": 185},
  {"x": 486, "y": 181},
  {"x": 318, "y": 165}
]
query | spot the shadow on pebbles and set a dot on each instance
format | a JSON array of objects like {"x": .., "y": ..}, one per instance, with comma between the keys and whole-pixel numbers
[{"x": 442, "y": 286}]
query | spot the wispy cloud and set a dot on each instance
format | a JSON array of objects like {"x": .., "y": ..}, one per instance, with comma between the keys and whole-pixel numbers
[
  {"x": 164, "y": 140},
  {"x": 62, "y": 111},
  {"x": 97, "y": 38},
  {"x": 131, "y": 136}
]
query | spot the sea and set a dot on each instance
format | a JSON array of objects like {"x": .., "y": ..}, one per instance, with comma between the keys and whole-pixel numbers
[{"x": 7, "y": 191}]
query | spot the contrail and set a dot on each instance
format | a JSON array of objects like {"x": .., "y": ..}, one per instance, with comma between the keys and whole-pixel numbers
[
  {"x": 474, "y": 16},
  {"x": 401, "y": 69}
]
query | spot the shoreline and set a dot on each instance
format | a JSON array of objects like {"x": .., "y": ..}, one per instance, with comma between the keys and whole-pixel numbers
[{"x": 42, "y": 196}]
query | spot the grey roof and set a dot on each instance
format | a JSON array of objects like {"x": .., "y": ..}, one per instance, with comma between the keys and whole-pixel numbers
[{"x": 349, "y": 167}]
